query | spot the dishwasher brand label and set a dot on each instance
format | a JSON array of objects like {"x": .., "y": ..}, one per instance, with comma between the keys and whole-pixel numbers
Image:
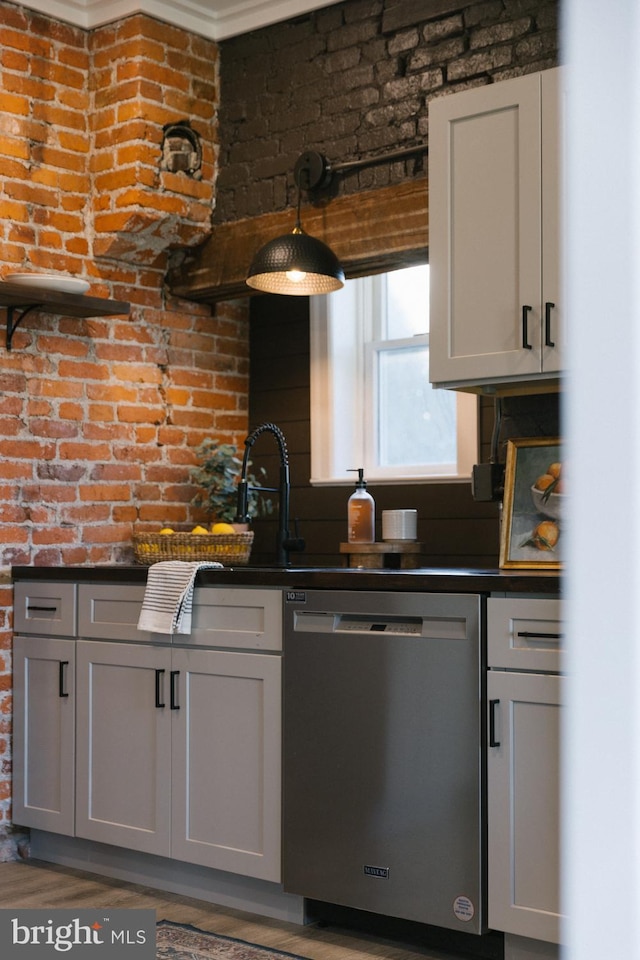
[
  {"x": 382, "y": 873},
  {"x": 296, "y": 596}
]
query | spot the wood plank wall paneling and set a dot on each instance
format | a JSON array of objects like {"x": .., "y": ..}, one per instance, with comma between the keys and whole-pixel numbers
[{"x": 456, "y": 530}]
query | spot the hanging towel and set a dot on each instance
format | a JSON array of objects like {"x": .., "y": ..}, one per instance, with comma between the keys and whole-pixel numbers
[{"x": 168, "y": 597}]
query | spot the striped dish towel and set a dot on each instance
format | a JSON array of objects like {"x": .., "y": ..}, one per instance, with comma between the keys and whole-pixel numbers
[{"x": 168, "y": 597}]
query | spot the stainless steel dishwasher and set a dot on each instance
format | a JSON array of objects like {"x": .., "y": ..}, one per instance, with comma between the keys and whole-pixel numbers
[{"x": 383, "y": 768}]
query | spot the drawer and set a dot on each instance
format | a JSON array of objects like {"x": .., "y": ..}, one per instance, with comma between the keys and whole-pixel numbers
[
  {"x": 237, "y": 617},
  {"x": 47, "y": 609},
  {"x": 110, "y": 611},
  {"x": 524, "y": 634}
]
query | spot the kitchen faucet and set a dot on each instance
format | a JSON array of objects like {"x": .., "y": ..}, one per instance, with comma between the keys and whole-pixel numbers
[{"x": 284, "y": 542}]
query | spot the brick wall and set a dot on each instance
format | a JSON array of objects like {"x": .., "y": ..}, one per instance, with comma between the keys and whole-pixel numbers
[
  {"x": 99, "y": 418},
  {"x": 354, "y": 80}
]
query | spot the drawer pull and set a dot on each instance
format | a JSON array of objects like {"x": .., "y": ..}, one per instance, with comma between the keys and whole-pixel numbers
[
  {"x": 41, "y": 609},
  {"x": 492, "y": 723},
  {"x": 173, "y": 699},
  {"x": 62, "y": 690},
  {"x": 159, "y": 678},
  {"x": 539, "y": 636}
]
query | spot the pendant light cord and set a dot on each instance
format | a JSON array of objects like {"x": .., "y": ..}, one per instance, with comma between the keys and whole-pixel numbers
[{"x": 298, "y": 226}]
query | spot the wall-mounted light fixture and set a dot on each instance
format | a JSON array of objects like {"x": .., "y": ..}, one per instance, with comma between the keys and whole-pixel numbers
[
  {"x": 296, "y": 263},
  {"x": 181, "y": 149}
]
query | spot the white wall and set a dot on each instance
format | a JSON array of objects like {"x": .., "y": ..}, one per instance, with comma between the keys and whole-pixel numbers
[{"x": 602, "y": 759}]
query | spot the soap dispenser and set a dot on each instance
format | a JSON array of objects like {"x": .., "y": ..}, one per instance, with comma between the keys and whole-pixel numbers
[{"x": 361, "y": 512}]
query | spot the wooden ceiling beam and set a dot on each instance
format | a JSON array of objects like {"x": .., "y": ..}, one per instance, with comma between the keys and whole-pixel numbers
[{"x": 370, "y": 232}]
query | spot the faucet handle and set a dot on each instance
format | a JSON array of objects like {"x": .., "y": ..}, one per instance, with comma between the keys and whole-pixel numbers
[{"x": 242, "y": 511}]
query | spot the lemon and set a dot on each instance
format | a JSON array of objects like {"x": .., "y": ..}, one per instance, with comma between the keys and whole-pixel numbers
[
  {"x": 222, "y": 528},
  {"x": 166, "y": 530},
  {"x": 199, "y": 529}
]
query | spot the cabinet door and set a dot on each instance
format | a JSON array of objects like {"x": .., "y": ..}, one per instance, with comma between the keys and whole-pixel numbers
[
  {"x": 524, "y": 804},
  {"x": 43, "y": 733},
  {"x": 227, "y": 761},
  {"x": 123, "y": 769},
  {"x": 485, "y": 232},
  {"x": 553, "y": 98}
]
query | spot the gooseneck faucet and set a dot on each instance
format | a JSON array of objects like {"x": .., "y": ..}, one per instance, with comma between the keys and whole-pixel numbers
[{"x": 284, "y": 542}]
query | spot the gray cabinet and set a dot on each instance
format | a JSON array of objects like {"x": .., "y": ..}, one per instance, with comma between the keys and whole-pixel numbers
[
  {"x": 45, "y": 608},
  {"x": 525, "y": 707},
  {"x": 178, "y": 754},
  {"x": 226, "y": 745},
  {"x": 164, "y": 745},
  {"x": 494, "y": 214},
  {"x": 123, "y": 770},
  {"x": 44, "y": 733}
]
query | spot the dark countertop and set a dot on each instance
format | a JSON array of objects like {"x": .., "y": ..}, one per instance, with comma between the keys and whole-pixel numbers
[{"x": 430, "y": 579}]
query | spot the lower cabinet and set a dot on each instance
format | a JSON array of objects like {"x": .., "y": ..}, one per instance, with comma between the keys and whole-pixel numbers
[
  {"x": 166, "y": 745},
  {"x": 523, "y": 768},
  {"x": 123, "y": 767},
  {"x": 226, "y": 761},
  {"x": 178, "y": 753},
  {"x": 524, "y": 805},
  {"x": 44, "y": 733}
]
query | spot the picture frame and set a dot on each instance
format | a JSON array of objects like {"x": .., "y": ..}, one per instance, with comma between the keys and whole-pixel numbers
[{"x": 533, "y": 506}]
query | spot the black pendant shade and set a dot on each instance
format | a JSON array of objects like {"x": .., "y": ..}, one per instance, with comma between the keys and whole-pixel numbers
[{"x": 296, "y": 265}]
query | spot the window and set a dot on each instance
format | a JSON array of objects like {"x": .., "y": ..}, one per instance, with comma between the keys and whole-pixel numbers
[{"x": 371, "y": 402}]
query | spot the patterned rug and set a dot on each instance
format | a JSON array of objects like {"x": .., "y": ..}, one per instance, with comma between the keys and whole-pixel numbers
[{"x": 177, "y": 941}]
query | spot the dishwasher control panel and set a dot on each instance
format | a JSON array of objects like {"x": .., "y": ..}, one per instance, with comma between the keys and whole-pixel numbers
[
  {"x": 326, "y": 622},
  {"x": 404, "y": 628}
]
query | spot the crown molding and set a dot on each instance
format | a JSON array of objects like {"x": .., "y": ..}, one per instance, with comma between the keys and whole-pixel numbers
[{"x": 215, "y": 19}]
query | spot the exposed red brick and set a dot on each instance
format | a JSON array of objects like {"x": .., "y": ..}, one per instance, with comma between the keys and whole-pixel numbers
[{"x": 87, "y": 451}]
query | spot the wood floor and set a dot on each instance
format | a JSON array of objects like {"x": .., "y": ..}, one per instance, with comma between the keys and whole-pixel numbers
[{"x": 36, "y": 884}]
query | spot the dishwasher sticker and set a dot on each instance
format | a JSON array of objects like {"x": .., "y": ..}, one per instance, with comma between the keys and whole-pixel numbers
[
  {"x": 296, "y": 596},
  {"x": 463, "y": 909}
]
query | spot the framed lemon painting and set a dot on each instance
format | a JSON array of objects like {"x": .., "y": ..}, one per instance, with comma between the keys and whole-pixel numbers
[{"x": 533, "y": 507}]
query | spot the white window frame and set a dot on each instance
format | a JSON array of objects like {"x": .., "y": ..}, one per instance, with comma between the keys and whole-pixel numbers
[{"x": 341, "y": 380}]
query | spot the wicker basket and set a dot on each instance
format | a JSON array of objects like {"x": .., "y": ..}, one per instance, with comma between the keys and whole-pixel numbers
[{"x": 229, "y": 548}]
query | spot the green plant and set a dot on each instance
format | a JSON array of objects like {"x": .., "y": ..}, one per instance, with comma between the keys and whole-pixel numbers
[{"x": 217, "y": 474}]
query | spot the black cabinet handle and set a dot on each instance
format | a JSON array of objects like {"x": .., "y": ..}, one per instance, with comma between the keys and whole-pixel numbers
[
  {"x": 62, "y": 691},
  {"x": 525, "y": 328},
  {"x": 159, "y": 677},
  {"x": 33, "y": 607},
  {"x": 548, "y": 307},
  {"x": 539, "y": 636},
  {"x": 173, "y": 699},
  {"x": 492, "y": 723}
]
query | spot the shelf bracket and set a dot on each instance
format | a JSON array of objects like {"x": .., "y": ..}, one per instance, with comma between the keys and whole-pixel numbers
[{"x": 13, "y": 324}]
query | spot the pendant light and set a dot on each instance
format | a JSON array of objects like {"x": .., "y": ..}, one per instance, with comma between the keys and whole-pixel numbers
[{"x": 298, "y": 264}]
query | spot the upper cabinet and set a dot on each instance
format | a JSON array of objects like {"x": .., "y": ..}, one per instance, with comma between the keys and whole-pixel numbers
[{"x": 494, "y": 234}]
